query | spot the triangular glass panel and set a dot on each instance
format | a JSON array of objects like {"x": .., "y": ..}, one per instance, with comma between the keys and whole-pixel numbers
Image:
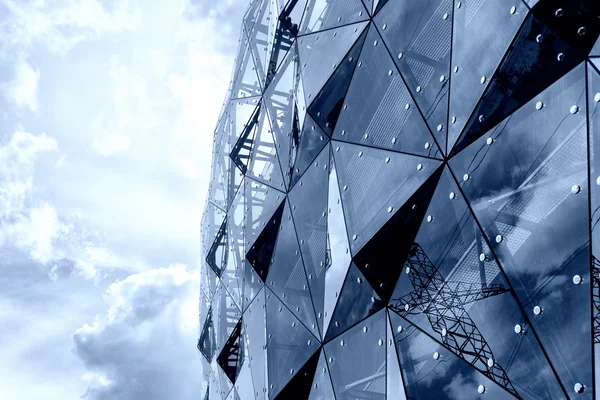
[
  {"x": 256, "y": 342},
  {"x": 245, "y": 81},
  {"x": 260, "y": 253},
  {"x": 231, "y": 357},
  {"x": 224, "y": 384},
  {"x": 418, "y": 36},
  {"x": 261, "y": 35},
  {"x": 216, "y": 257},
  {"x": 308, "y": 201},
  {"x": 394, "y": 383},
  {"x": 378, "y": 109},
  {"x": 327, "y": 105},
  {"x": 482, "y": 31},
  {"x": 307, "y": 143},
  {"x": 206, "y": 343},
  {"x": 327, "y": 14},
  {"x": 300, "y": 385},
  {"x": 458, "y": 296},
  {"x": 321, "y": 53},
  {"x": 289, "y": 344},
  {"x": 226, "y": 315},
  {"x": 244, "y": 386},
  {"x": 252, "y": 284},
  {"x": 281, "y": 102},
  {"x": 261, "y": 203},
  {"x": 357, "y": 360},
  {"x": 514, "y": 84},
  {"x": 338, "y": 248},
  {"x": 208, "y": 281},
  {"x": 596, "y": 62},
  {"x": 373, "y": 184},
  {"x": 357, "y": 300},
  {"x": 430, "y": 371},
  {"x": 287, "y": 276},
  {"x": 536, "y": 216},
  {"x": 593, "y": 91},
  {"x": 576, "y": 22},
  {"x": 393, "y": 241},
  {"x": 322, "y": 388}
]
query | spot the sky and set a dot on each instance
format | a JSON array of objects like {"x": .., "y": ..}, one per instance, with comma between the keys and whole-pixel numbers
[{"x": 107, "y": 111}]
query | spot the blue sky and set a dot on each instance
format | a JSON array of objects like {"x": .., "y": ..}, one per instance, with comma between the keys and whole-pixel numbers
[{"x": 107, "y": 110}]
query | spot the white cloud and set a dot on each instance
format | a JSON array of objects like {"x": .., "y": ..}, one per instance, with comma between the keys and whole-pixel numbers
[
  {"x": 144, "y": 345},
  {"x": 23, "y": 89},
  {"x": 61, "y": 24}
]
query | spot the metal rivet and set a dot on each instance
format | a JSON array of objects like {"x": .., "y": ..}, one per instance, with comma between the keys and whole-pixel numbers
[
  {"x": 458, "y": 5},
  {"x": 489, "y": 140},
  {"x": 453, "y": 120},
  {"x": 309, "y": 342},
  {"x": 482, "y": 118},
  {"x": 366, "y": 135},
  {"x": 452, "y": 196},
  {"x": 390, "y": 209},
  {"x": 390, "y": 72},
  {"x": 490, "y": 362},
  {"x": 354, "y": 237},
  {"x": 337, "y": 149},
  {"x": 483, "y": 79},
  {"x": 419, "y": 167},
  {"x": 577, "y": 279},
  {"x": 399, "y": 55},
  {"x": 440, "y": 127},
  {"x": 574, "y": 109},
  {"x": 466, "y": 177},
  {"x": 393, "y": 140},
  {"x": 513, "y": 9},
  {"x": 481, "y": 389},
  {"x": 482, "y": 257},
  {"x": 342, "y": 343},
  {"x": 399, "y": 329},
  {"x": 499, "y": 238},
  {"x": 444, "y": 332},
  {"x": 575, "y": 189},
  {"x": 387, "y": 160},
  {"x": 559, "y": 12},
  {"x": 375, "y": 43},
  {"x": 442, "y": 78},
  {"x": 380, "y": 342},
  {"x": 581, "y": 31},
  {"x": 539, "y": 105},
  {"x": 384, "y": 27},
  {"x": 445, "y": 16},
  {"x": 518, "y": 329},
  {"x": 537, "y": 310},
  {"x": 597, "y": 98},
  {"x": 360, "y": 153},
  {"x": 427, "y": 145},
  {"x": 436, "y": 355},
  {"x": 560, "y": 57},
  {"x": 579, "y": 388},
  {"x": 407, "y": 106},
  {"x": 429, "y": 218},
  {"x": 456, "y": 69}
]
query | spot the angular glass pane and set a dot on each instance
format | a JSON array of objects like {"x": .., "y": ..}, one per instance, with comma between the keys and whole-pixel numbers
[
  {"x": 287, "y": 277},
  {"x": 338, "y": 249},
  {"x": 321, "y": 52},
  {"x": 458, "y": 295},
  {"x": 372, "y": 182},
  {"x": 299, "y": 386},
  {"x": 307, "y": 143},
  {"x": 308, "y": 201},
  {"x": 594, "y": 140},
  {"x": 327, "y": 105},
  {"x": 327, "y": 14},
  {"x": 357, "y": 300},
  {"x": 357, "y": 360},
  {"x": 245, "y": 81},
  {"x": 256, "y": 340},
  {"x": 418, "y": 35},
  {"x": 530, "y": 194},
  {"x": 322, "y": 388},
  {"x": 289, "y": 344},
  {"x": 430, "y": 371},
  {"x": 260, "y": 253},
  {"x": 261, "y": 203},
  {"x": 375, "y": 109},
  {"x": 226, "y": 315},
  {"x": 394, "y": 383},
  {"x": 483, "y": 31}
]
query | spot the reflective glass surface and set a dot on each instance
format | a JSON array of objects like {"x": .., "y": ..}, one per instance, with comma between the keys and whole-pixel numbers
[{"x": 403, "y": 204}]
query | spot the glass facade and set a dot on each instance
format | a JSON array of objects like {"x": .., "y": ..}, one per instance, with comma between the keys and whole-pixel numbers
[{"x": 404, "y": 203}]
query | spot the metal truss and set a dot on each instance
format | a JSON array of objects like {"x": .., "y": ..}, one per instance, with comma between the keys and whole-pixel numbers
[{"x": 443, "y": 302}]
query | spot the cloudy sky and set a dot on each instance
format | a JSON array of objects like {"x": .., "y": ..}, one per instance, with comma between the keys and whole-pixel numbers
[{"x": 107, "y": 109}]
